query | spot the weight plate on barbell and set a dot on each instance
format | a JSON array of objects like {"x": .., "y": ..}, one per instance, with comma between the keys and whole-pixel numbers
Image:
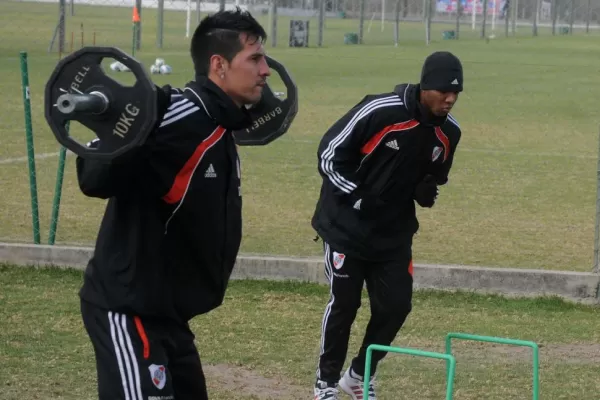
[
  {"x": 131, "y": 114},
  {"x": 271, "y": 116}
]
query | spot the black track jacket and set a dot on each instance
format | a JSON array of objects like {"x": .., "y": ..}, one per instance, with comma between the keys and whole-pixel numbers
[
  {"x": 377, "y": 152},
  {"x": 171, "y": 232}
]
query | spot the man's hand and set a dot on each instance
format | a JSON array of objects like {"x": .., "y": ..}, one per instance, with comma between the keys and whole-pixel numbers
[{"x": 426, "y": 192}]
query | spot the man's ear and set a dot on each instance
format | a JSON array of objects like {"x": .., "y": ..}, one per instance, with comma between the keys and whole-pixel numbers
[{"x": 218, "y": 64}]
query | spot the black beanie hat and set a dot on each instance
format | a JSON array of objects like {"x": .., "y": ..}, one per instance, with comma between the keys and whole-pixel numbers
[{"x": 442, "y": 71}]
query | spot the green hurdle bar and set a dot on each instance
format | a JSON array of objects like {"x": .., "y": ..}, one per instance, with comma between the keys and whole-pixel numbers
[
  {"x": 450, "y": 363},
  {"x": 514, "y": 342}
]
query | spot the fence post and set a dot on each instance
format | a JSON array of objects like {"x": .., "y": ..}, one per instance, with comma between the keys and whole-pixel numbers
[
  {"x": 571, "y": 17},
  {"x": 382, "y": 15},
  {"x": 361, "y": 24},
  {"x": 397, "y": 23},
  {"x": 484, "y": 21},
  {"x": 515, "y": 13},
  {"x": 536, "y": 15},
  {"x": 321, "y": 22},
  {"x": 430, "y": 11},
  {"x": 160, "y": 17},
  {"x": 588, "y": 16},
  {"x": 459, "y": 13},
  {"x": 273, "y": 23},
  {"x": 427, "y": 10},
  {"x": 57, "y": 194},
  {"x": 138, "y": 33},
  {"x": 506, "y": 18},
  {"x": 188, "y": 18},
  {"x": 30, "y": 151},
  {"x": 473, "y": 14},
  {"x": 554, "y": 14},
  {"x": 61, "y": 26},
  {"x": 596, "y": 267}
]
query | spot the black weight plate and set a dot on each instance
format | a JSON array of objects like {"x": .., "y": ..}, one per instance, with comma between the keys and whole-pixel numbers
[
  {"x": 132, "y": 112},
  {"x": 271, "y": 116}
]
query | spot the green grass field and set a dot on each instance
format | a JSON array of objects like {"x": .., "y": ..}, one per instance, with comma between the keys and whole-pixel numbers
[
  {"x": 522, "y": 192},
  {"x": 264, "y": 341}
]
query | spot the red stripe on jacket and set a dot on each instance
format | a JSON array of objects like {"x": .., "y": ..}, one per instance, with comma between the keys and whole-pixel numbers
[
  {"x": 184, "y": 176},
  {"x": 379, "y": 136},
  {"x": 444, "y": 139}
]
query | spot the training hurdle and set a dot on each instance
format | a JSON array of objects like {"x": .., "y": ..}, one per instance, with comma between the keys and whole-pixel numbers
[{"x": 451, "y": 360}]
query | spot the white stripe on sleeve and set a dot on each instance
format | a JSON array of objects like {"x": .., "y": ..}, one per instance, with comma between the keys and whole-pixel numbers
[{"x": 329, "y": 153}]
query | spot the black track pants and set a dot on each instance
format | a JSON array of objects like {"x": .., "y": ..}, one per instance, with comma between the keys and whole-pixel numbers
[
  {"x": 389, "y": 285},
  {"x": 139, "y": 359}
]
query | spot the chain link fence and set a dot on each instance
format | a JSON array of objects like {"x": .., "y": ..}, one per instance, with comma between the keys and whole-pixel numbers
[{"x": 169, "y": 20}]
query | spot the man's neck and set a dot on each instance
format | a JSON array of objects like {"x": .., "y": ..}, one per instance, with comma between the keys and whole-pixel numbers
[
  {"x": 218, "y": 82},
  {"x": 427, "y": 117}
]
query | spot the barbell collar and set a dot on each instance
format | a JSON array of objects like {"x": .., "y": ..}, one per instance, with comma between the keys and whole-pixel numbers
[{"x": 93, "y": 102}]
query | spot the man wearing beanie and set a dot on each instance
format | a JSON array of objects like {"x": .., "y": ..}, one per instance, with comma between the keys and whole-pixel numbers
[{"x": 387, "y": 153}]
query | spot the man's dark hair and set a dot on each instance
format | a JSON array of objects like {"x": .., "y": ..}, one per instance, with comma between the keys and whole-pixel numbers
[{"x": 219, "y": 33}]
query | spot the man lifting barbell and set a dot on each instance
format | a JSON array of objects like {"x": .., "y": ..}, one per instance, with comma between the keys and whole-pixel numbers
[{"x": 171, "y": 232}]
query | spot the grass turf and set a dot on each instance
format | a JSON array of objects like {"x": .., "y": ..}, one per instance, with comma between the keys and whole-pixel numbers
[
  {"x": 264, "y": 341},
  {"x": 522, "y": 191}
]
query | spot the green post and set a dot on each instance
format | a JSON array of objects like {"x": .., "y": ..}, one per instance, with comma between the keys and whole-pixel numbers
[
  {"x": 514, "y": 342},
  {"x": 57, "y": 193},
  {"x": 450, "y": 364},
  {"x": 30, "y": 149},
  {"x": 133, "y": 39}
]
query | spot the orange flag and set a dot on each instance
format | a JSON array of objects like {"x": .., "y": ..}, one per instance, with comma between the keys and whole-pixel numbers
[{"x": 136, "y": 15}]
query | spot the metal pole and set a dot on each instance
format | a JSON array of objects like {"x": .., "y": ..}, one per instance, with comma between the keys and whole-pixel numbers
[
  {"x": 321, "y": 22},
  {"x": 382, "y": 14},
  {"x": 57, "y": 194},
  {"x": 72, "y": 7},
  {"x": 459, "y": 12},
  {"x": 536, "y": 15},
  {"x": 597, "y": 232},
  {"x": 30, "y": 150},
  {"x": 61, "y": 26},
  {"x": 427, "y": 10},
  {"x": 273, "y": 23},
  {"x": 506, "y": 18},
  {"x": 160, "y": 23},
  {"x": 571, "y": 17},
  {"x": 221, "y": 5},
  {"x": 188, "y": 18},
  {"x": 362, "y": 21},
  {"x": 588, "y": 15},
  {"x": 197, "y": 12},
  {"x": 494, "y": 17},
  {"x": 397, "y": 24},
  {"x": 554, "y": 14},
  {"x": 484, "y": 21},
  {"x": 138, "y": 33},
  {"x": 430, "y": 4},
  {"x": 515, "y": 14}
]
